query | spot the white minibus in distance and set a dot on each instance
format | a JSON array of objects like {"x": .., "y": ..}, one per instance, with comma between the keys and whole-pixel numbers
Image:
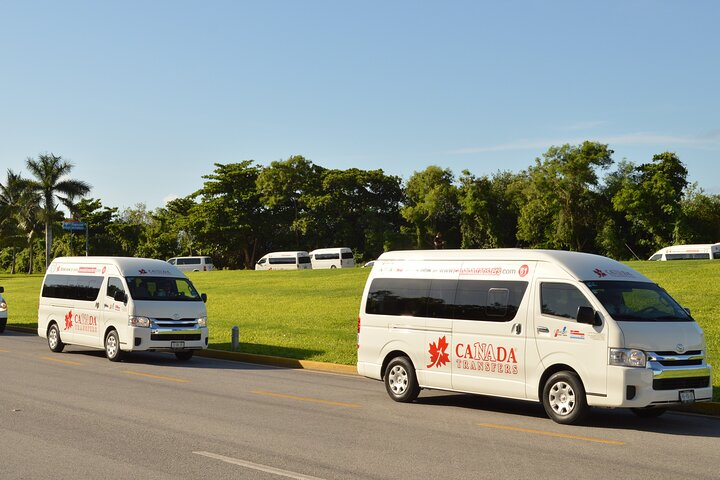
[
  {"x": 192, "y": 264},
  {"x": 296, "y": 260},
  {"x": 688, "y": 252},
  {"x": 571, "y": 330},
  {"x": 339, "y": 257},
  {"x": 122, "y": 305}
]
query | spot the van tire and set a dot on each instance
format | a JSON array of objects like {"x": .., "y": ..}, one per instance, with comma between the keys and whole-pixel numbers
[
  {"x": 401, "y": 381},
  {"x": 564, "y": 398},
  {"x": 184, "y": 356},
  {"x": 53, "y": 338},
  {"x": 112, "y": 346}
]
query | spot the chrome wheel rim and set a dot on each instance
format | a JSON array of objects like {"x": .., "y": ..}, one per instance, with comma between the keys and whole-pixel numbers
[
  {"x": 53, "y": 338},
  {"x": 111, "y": 346},
  {"x": 562, "y": 398},
  {"x": 398, "y": 380}
]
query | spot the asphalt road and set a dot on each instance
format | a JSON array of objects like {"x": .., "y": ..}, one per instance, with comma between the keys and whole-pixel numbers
[{"x": 75, "y": 415}]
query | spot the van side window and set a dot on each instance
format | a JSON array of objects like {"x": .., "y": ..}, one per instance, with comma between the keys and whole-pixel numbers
[
  {"x": 561, "y": 300},
  {"x": 282, "y": 260},
  {"x": 72, "y": 287},
  {"x": 114, "y": 286},
  {"x": 347, "y": 255},
  {"x": 452, "y": 299}
]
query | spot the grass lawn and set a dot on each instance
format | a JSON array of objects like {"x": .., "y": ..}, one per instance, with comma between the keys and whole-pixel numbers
[{"x": 312, "y": 314}]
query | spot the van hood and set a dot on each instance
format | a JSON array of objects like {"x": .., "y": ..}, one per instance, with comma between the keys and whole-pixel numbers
[
  {"x": 679, "y": 337},
  {"x": 172, "y": 310}
]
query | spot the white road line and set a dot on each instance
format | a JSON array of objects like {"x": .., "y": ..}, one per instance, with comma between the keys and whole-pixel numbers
[{"x": 257, "y": 466}]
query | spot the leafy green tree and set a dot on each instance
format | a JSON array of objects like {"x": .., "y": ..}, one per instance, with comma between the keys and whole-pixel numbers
[
  {"x": 701, "y": 216},
  {"x": 614, "y": 237},
  {"x": 50, "y": 181},
  {"x": 288, "y": 188},
  {"x": 432, "y": 207},
  {"x": 488, "y": 210},
  {"x": 561, "y": 197},
  {"x": 651, "y": 198},
  {"x": 19, "y": 214},
  {"x": 229, "y": 218}
]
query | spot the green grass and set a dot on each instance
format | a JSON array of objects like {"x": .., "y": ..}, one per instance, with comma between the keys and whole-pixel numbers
[{"x": 312, "y": 315}]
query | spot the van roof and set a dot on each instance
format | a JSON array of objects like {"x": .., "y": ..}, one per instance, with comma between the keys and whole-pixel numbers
[
  {"x": 330, "y": 249},
  {"x": 704, "y": 247},
  {"x": 581, "y": 266},
  {"x": 286, "y": 254},
  {"x": 128, "y": 266}
]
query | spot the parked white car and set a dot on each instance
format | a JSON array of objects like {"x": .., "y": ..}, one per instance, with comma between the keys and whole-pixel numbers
[{"x": 3, "y": 311}]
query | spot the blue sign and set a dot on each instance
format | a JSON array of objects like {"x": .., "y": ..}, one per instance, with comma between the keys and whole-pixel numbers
[{"x": 75, "y": 226}]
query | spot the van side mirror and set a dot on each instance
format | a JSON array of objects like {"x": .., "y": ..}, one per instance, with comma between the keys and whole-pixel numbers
[
  {"x": 2, "y": 289},
  {"x": 204, "y": 297},
  {"x": 120, "y": 296},
  {"x": 587, "y": 315}
]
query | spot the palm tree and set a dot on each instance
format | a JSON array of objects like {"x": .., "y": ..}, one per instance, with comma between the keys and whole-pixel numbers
[
  {"x": 12, "y": 198},
  {"x": 51, "y": 184}
]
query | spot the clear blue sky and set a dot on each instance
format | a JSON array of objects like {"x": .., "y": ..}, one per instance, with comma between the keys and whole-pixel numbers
[{"x": 145, "y": 96}]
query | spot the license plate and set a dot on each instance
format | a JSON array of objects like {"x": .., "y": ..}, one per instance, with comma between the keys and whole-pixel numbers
[
  {"x": 178, "y": 345},
  {"x": 687, "y": 397}
]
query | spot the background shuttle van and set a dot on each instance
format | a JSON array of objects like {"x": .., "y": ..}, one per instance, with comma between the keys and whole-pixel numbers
[
  {"x": 568, "y": 329},
  {"x": 192, "y": 264},
  {"x": 340, "y": 257},
  {"x": 121, "y": 305},
  {"x": 297, "y": 260},
  {"x": 688, "y": 252}
]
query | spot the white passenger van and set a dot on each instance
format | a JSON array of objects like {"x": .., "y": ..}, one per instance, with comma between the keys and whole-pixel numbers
[
  {"x": 571, "y": 330},
  {"x": 688, "y": 252},
  {"x": 192, "y": 264},
  {"x": 122, "y": 305},
  {"x": 297, "y": 260},
  {"x": 340, "y": 257}
]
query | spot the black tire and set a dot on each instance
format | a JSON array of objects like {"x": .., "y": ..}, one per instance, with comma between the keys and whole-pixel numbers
[
  {"x": 112, "y": 346},
  {"x": 3, "y": 322},
  {"x": 564, "y": 398},
  {"x": 185, "y": 355},
  {"x": 649, "y": 412},
  {"x": 332, "y": 266},
  {"x": 401, "y": 381},
  {"x": 53, "y": 338}
]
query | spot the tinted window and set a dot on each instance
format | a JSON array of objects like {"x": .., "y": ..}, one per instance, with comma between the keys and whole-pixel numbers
[
  {"x": 208, "y": 260},
  {"x": 347, "y": 255},
  {"x": 462, "y": 300},
  {"x": 162, "y": 289},
  {"x": 327, "y": 256},
  {"x": 282, "y": 260},
  {"x": 637, "y": 301},
  {"x": 302, "y": 260},
  {"x": 114, "y": 286},
  {"x": 72, "y": 287},
  {"x": 561, "y": 300},
  {"x": 188, "y": 261}
]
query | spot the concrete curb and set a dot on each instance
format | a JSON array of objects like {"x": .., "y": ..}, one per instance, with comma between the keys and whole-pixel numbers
[{"x": 704, "y": 408}]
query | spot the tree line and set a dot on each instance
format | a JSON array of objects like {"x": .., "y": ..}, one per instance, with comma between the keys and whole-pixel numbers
[{"x": 573, "y": 197}]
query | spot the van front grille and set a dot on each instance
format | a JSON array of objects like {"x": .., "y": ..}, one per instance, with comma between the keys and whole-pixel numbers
[
  {"x": 166, "y": 337},
  {"x": 680, "y": 383}
]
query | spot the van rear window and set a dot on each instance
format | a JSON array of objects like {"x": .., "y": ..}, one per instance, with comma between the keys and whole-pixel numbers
[
  {"x": 72, "y": 287},
  {"x": 493, "y": 301}
]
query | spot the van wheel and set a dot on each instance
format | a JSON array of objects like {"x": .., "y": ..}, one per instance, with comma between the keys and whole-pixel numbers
[
  {"x": 332, "y": 266},
  {"x": 53, "y": 338},
  {"x": 400, "y": 380},
  {"x": 185, "y": 355},
  {"x": 564, "y": 398},
  {"x": 649, "y": 412},
  {"x": 112, "y": 346}
]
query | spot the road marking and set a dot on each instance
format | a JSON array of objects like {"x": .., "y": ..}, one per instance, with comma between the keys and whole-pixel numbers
[
  {"x": 306, "y": 399},
  {"x": 157, "y": 377},
  {"x": 66, "y": 362},
  {"x": 551, "y": 434},
  {"x": 258, "y": 466},
  {"x": 3, "y": 350}
]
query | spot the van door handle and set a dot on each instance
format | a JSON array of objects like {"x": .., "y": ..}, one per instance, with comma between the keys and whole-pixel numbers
[
  {"x": 517, "y": 328},
  {"x": 543, "y": 330}
]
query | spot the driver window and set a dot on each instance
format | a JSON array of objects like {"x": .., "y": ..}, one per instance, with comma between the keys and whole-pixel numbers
[
  {"x": 114, "y": 286},
  {"x": 561, "y": 300}
]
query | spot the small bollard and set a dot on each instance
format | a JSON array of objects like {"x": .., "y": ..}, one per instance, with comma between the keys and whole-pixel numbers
[{"x": 235, "y": 338}]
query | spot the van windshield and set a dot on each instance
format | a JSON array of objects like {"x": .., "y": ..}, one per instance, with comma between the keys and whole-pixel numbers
[
  {"x": 638, "y": 302},
  {"x": 162, "y": 289}
]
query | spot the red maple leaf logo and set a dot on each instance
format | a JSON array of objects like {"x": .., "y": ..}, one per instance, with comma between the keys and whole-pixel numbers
[
  {"x": 438, "y": 353},
  {"x": 68, "y": 320}
]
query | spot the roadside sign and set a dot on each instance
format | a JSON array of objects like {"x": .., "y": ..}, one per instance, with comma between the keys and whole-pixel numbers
[{"x": 74, "y": 226}]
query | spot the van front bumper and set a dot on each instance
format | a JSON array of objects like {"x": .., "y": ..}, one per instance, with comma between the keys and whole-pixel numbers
[
  {"x": 656, "y": 387},
  {"x": 166, "y": 338}
]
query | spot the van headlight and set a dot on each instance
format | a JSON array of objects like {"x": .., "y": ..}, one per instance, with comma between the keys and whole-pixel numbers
[
  {"x": 138, "y": 321},
  {"x": 202, "y": 321},
  {"x": 627, "y": 357},
  {"x": 3, "y": 306}
]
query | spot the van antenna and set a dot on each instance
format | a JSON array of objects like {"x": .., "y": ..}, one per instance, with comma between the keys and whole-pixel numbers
[{"x": 631, "y": 251}]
